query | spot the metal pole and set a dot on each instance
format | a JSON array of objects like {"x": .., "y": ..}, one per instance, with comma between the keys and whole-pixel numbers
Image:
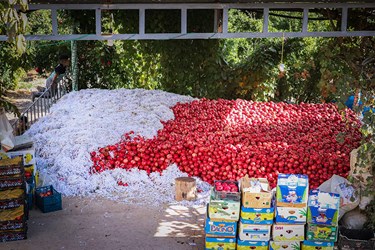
[{"x": 74, "y": 66}]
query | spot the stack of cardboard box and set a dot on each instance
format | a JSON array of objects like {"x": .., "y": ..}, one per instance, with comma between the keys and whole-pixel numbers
[
  {"x": 256, "y": 214},
  {"x": 322, "y": 219},
  {"x": 13, "y": 206},
  {"x": 290, "y": 211},
  {"x": 222, "y": 218}
]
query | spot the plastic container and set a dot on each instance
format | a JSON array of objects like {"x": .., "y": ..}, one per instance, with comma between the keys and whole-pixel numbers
[
  {"x": 12, "y": 203},
  {"x": 353, "y": 239},
  {"x": 48, "y": 203},
  {"x": 13, "y": 235},
  {"x": 13, "y": 224}
]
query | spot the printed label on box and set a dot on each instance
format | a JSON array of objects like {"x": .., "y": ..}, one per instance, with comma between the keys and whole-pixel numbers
[
  {"x": 257, "y": 215},
  {"x": 313, "y": 245},
  {"x": 291, "y": 215},
  {"x": 220, "y": 228},
  {"x": 224, "y": 210},
  {"x": 291, "y": 189},
  {"x": 28, "y": 155},
  {"x": 253, "y": 232},
  {"x": 323, "y": 208},
  {"x": 285, "y": 245},
  {"x": 220, "y": 243},
  {"x": 247, "y": 245},
  {"x": 321, "y": 233},
  {"x": 291, "y": 232}
]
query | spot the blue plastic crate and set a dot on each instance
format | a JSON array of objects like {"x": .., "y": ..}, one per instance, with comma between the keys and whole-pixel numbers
[{"x": 49, "y": 203}]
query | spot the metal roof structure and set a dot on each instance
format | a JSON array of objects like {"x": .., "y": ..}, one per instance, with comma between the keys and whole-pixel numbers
[{"x": 220, "y": 7}]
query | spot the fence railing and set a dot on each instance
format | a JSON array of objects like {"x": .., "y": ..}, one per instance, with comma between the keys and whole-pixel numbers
[{"x": 41, "y": 105}]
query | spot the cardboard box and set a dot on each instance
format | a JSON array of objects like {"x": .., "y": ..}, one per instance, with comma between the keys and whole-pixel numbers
[
  {"x": 256, "y": 193},
  {"x": 257, "y": 215},
  {"x": 291, "y": 232},
  {"x": 220, "y": 243},
  {"x": 292, "y": 190},
  {"x": 28, "y": 155},
  {"x": 250, "y": 245},
  {"x": 223, "y": 210},
  {"x": 254, "y": 232},
  {"x": 313, "y": 245},
  {"x": 291, "y": 215},
  {"x": 323, "y": 208},
  {"x": 220, "y": 229},
  {"x": 285, "y": 245},
  {"x": 321, "y": 233}
]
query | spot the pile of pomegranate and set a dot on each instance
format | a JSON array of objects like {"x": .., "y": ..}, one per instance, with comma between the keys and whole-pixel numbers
[{"x": 227, "y": 139}]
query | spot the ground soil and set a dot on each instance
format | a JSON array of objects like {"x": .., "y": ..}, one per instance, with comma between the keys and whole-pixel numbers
[{"x": 88, "y": 223}]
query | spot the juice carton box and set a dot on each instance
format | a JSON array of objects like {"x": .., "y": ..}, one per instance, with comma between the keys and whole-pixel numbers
[
  {"x": 254, "y": 232},
  {"x": 323, "y": 208},
  {"x": 257, "y": 215},
  {"x": 321, "y": 233},
  {"x": 223, "y": 210},
  {"x": 220, "y": 229},
  {"x": 288, "y": 232},
  {"x": 313, "y": 245},
  {"x": 285, "y": 245},
  {"x": 256, "y": 193},
  {"x": 251, "y": 245},
  {"x": 220, "y": 243},
  {"x": 292, "y": 190},
  {"x": 291, "y": 215}
]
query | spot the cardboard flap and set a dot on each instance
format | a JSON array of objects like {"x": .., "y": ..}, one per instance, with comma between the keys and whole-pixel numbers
[{"x": 255, "y": 185}]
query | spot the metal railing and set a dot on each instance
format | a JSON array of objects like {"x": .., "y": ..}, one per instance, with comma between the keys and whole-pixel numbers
[{"x": 41, "y": 105}]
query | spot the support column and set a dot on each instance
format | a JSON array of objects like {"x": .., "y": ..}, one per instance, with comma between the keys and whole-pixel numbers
[{"x": 74, "y": 65}]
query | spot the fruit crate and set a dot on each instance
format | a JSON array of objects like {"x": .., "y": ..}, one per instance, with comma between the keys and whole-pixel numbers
[
  {"x": 12, "y": 203},
  {"x": 13, "y": 224},
  {"x": 13, "y": 235},
  {"x": 12, "y": 182},
  {"x": 353, "y": 239},
  {"x": 226, "y": 195},
  {"x": 48, "y": 203}
]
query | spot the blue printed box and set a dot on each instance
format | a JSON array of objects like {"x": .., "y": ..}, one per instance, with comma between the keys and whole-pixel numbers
[
  {"x": 313, "y": 245},
  {"x": 291, "y": 215},
  {"x": 257, "y": 215},
  {"x": 323, "y": 208},
  {"x": 247, "y": 245},
  {"x": 220, "y": 229},
  {"x": 292, "y": 190}
]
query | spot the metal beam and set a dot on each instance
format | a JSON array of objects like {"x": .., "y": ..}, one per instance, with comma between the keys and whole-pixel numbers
[
  {"x": 344, "y": 19},
  {"x": 169, "y": 36},
  {"x": 141, "y": 21},
  {"x": 265, "y": 20},
  {"x": 305, "y": 20},
  {"x": 54, "y": 22},
  {"x": 200, "y": 6},
  {"x": 225, "y": 21},
  {"x": 183, "y": 21},
  {"x": 98, "y": 21}
]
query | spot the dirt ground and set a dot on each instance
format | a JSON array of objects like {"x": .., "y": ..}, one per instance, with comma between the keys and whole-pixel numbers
[{"x": 87, "y": 223}]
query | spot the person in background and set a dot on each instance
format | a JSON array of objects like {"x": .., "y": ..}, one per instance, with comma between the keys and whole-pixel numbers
[
  {"x": 54, "y": 78},
  {"x": 22, "y": 125}
]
